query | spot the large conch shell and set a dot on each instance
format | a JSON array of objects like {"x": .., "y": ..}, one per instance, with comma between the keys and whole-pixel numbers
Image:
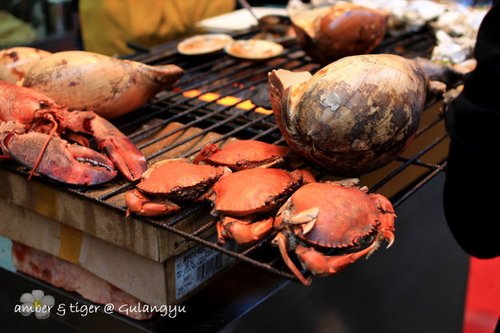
[{"x": 354, "y": 115}]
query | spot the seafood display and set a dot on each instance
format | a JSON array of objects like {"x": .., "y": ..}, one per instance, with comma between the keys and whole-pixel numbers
[
  {"x": 34, "y": 129},
  {"x": 330, "y": 33},
  {"x": 331, "y": 225},
  {"x": 88, "y": 81},
  {"x": 455, "y": 24},
  {"x": 15, "y": 62},
  {"x": 353, "y": 116},
  {"x": 452, "y": 50}
]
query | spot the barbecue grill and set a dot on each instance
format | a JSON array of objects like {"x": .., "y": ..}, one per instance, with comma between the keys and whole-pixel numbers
[{"x": 220, "y": 98}]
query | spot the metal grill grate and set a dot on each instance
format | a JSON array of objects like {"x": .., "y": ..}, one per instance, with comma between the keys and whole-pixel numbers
[{"x": 228, "y": 77}]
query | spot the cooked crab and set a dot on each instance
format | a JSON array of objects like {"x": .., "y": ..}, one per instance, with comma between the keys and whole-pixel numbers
[
  {"x": 175, "y": 179},
  {"x": 245, "y": 200},
  {"x": 331, "y": 225},
  {"x": 243, "y": 154}
]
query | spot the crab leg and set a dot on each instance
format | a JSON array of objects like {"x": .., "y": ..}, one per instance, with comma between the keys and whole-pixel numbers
[
  {"x": 243, "y": 232},
  {"x": 320, "y": 264},
  {"x": 61, "y": 161},
  {"x": 386, "y": 218},
  {"x": 138, "y": 203},
  {"x": 280, "y": 240},
  {"x": 124, "y": 154},
  {"x": 207, "y": 151}
]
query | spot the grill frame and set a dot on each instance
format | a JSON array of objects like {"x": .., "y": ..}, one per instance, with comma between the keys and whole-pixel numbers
[{"x": 168, "y": 106}]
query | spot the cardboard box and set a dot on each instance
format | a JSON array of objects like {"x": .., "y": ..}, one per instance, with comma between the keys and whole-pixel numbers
[
  {"x": 96, "y": 219},
  {"x": 157, "y": 283}
]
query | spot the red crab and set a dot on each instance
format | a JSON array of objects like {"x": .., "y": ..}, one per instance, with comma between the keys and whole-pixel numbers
[
  {"x": 245, "y": 199},
  {"x": 331, "y": 226},
  {"x": 30, "y": 126},
  {"x": 243, "y": 154},
  {"x": 175, "y": 179}
]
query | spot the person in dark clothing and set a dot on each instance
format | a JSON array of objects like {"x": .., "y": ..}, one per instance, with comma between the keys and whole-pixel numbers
[{"x": 471, "y": 193}]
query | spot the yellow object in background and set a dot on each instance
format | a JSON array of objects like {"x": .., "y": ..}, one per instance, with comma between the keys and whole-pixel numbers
[
  {"x": 14, "y": 32},
  {"x": 107, "y": 25}
]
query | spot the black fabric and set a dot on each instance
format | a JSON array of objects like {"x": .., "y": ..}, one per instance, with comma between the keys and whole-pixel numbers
[{"x": 472, "y": 187}]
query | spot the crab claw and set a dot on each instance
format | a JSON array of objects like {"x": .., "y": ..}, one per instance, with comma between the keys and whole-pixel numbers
[
  {"x": 205, "y": 152},
  {"x": 386, "y": 217},
  {"x": 125, "y": 155},
  {"x": 138, "y": 203},
  {"x": 281, "y": 242},
  {"x": 61, "y": 161},
  {"x": 243, "y": 232},
  {"x": 320, "y": 264}
]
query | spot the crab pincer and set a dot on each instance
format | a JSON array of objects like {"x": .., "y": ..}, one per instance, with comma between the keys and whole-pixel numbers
[
  {"x": 141, "y": 204},
  {"x": 25, "y": 111},
  {"x": 125, "y": 155},
  {"x": 62, "y": 161},
  {"x": 246, "y": 200}
]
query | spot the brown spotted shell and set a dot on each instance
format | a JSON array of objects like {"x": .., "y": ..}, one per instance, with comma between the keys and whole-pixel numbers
[
  {"x": 330, "y": 33},
  {"x": 244, "y": 154},
  {"x": 253, "y": 191},
  {"x": 354, "y": 115},
  {"x": 346, "y": 214},
  {"x": 179, "y": 178}
]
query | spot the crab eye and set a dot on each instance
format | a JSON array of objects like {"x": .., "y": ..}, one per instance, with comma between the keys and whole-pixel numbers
[{"x": 43, "y": 104}]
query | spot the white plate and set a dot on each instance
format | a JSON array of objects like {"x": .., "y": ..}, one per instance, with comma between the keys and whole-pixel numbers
[
  {"x": 204, "y": 44},
  {"x": 238, "y": 21},
  {"x": 254, "y": 49}
]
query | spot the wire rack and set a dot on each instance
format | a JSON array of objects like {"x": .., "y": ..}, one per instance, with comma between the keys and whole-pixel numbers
[{"x": 218, "y": 79}]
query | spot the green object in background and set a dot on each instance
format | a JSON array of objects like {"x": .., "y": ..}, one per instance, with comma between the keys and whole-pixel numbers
[
  {"x": 14, "y": 32},
  {"x": 6, "y": 254}
]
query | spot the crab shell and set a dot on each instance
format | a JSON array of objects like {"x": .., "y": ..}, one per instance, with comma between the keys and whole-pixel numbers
[
  {"x": 243, "y": 154},
  {"x": 346, "y": 215},
  {"x": 344, "y": 29},
  {"x": 254, "y": 191},
  {"x": 180, "y": 180}
]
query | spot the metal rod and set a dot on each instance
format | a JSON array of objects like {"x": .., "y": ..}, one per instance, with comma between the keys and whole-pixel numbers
[
  {"x": 227, "y": 135},
  {"x": 149, "y": 115},
  {"x": 403, "y": 166},
  {"x": 221, "y": 249},
  {"x": 247, "y": 6},
  {"x": 420, "y": 184}
]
